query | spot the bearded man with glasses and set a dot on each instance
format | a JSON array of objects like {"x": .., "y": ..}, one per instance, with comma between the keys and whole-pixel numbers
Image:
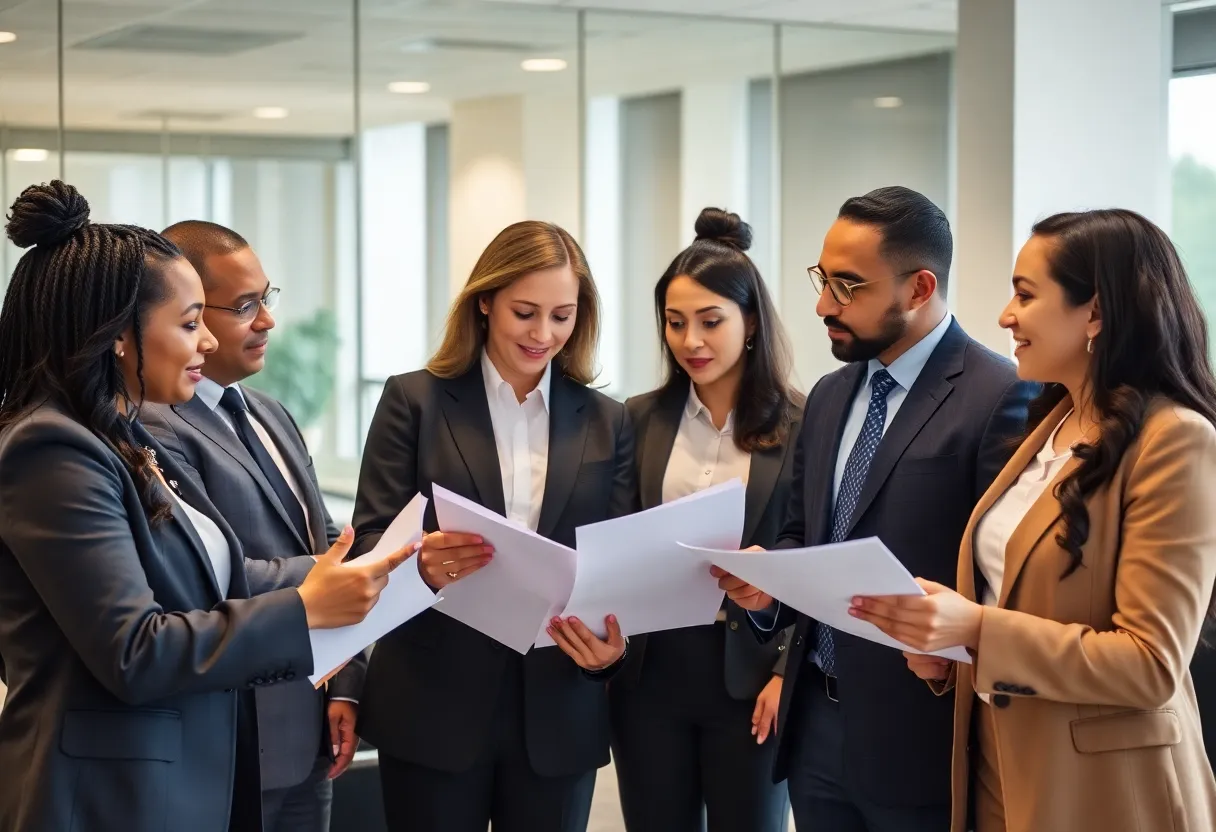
[{"x": 899, "y": 444}]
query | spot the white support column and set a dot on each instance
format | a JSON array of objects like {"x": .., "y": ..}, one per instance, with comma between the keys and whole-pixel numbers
[
  {"x": 713, "y": 151},
  {"x": 1061, "y": 106},
  {"x": 488, "y": 184}
]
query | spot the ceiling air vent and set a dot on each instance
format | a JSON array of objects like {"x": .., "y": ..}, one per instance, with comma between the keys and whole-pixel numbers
[
  {"x": 184, "y": 40},
  {"x": 424, "y": 45}
]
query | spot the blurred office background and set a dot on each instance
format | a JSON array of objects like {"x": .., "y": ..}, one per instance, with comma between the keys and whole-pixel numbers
[{"x": 369, "y": 149}]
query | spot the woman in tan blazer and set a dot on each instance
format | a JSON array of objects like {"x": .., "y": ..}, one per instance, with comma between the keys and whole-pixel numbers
[{"x": 1087, "y": 570}]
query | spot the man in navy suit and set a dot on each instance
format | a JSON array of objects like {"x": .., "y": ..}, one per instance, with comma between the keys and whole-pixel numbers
[
  {"x": 249, "y": 455},
  {"x": 899, "y": 444}
]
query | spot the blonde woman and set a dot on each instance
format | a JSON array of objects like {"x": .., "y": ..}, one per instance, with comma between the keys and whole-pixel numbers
[{"x": 469, "y": 732}]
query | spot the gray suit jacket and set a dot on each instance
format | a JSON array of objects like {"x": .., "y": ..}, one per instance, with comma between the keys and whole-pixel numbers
[
  {"x": 748, "y": 662},
  {"x": 125, "y": 667},
  {"x": 291, "y": 718}
]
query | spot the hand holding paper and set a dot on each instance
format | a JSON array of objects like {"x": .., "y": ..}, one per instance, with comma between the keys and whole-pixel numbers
[
  {"x": 822, "y": 581},
  {"x": 939, "y": 619},
  {"x": 402, "y": 598}
]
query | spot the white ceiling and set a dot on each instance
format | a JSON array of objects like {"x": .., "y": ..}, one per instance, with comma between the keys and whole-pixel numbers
[
  {"x": 915, "y": 15},
  {"x": 310, "y": 71}
]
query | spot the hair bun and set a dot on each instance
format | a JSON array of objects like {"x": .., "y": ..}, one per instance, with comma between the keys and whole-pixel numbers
[
  {"x": 45, "y": 215},
  {"x": 724, "y": 227}
]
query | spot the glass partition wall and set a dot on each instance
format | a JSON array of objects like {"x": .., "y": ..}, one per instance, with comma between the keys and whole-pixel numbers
[{"x": 369, "y": 150}]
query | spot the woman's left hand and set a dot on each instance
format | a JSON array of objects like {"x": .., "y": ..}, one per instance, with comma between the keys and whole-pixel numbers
[
  {"x": 929, "y": 623},
  {"x": 589, "y": 651}
]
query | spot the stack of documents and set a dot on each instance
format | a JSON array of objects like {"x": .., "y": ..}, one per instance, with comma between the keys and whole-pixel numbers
[
  {"x": 632, "y": 567},
  {"x": 405, "y": 596},
  {"x": 821, "y": 581}
]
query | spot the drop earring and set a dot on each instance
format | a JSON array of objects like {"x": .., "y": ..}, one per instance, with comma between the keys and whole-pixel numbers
[
  {"x": 749, "y": 343},
  {"x": 1089, "y": 346}
]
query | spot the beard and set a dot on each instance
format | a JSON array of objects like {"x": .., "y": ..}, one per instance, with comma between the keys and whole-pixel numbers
[{"x": 891, "y": 328}]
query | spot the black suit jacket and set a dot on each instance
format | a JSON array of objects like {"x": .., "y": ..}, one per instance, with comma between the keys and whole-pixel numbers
[
  {"x": 291, "y": 718},
  {"x": 126, "y": 669},
  {"x": 749, "y": 663},
  {"x": 952, "y": 435},
  {"x": 432, "y": 684}
]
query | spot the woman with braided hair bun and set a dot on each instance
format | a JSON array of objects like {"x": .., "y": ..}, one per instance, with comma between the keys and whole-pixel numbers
[{"x": 132, "y": 628}]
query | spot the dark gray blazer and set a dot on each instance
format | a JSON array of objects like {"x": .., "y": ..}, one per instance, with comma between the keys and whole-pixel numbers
[
  {"x": 291, "y": 718},
  {"x": 125, "y": 668},
  {"x": 749, "y": 663},
  {"x": 431, "y": 430},
  {"x": 951, "y": 437}
]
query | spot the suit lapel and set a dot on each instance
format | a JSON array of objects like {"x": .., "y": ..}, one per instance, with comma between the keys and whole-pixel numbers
[
  {"x": 567, "y": 436},
  {"x": 209, "y": 423},
  {"x": 1043, "y": 513},
  {"x": 825, "y": 443},
  {"x": 660, "y": 438},
  {"x": 468, "y": 416},
  {"x": 931, "y": 388},
  {"x": 191, "y": 493},
  {"x": 295, "y": 466},
  {"x": 762, "y": 476}
]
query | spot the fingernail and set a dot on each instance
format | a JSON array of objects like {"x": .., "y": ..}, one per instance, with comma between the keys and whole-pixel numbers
[
  {"x": 336, "y": 750},
  {"x": 853, "y": 611},
  {"x": 487, "y": 549},
  {"x": 612, "y": 619},
  {"x": 556, "y": 622},
  {"x": 857, "y": 601}
]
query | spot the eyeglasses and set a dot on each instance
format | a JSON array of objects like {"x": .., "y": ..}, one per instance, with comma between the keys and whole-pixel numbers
[
  {"x": 842, "y": 290},
  {"x": 249, "y": 309}
]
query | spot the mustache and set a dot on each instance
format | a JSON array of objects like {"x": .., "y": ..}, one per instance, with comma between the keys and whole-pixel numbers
[{"x": 834, "y": 322}]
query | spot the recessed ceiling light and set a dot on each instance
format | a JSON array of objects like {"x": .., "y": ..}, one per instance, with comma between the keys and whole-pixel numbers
[
  {"x": 409, "y": 87},
  {"x": 30, "y": 154},
  {"x": 888, "y": 102},
  {"x": 543, "y": 65},
  {"x": 7, "y": 37},
  {"x": 270, "y": 112}
]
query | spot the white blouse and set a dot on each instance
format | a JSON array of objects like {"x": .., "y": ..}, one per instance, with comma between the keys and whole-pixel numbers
[
  {"x": 702, "y": 455},
  {"x": 521, "y": 432},
  {"x": 994, "y": 530},
  {"x": 214, "y": 543}
]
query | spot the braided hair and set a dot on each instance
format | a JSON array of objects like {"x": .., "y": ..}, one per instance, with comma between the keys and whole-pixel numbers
[{"x": 78, "y": 289}]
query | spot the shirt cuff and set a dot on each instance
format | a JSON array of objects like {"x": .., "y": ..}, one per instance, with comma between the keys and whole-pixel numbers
[{"x": 765, "y": 620}]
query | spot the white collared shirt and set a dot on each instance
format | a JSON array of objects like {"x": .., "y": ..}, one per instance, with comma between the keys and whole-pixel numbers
[
  {"x": 521, "y": 434},
  {"x": 997, "y": 526},
  {"x": 905, "y": 370},
  {"x": 214, "y": 543},
  {"x": 702, "y": 455},
  {"x": 210, "y": 392}
]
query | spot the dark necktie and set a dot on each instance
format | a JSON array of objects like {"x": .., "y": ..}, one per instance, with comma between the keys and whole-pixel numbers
[
  {"x": 234, "y": 403},
  {"x": 855, "y": 470}
]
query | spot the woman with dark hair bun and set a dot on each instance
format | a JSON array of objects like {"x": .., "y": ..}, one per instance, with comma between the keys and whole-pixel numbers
[
  {"x": 131, "y": 642},
  {"x": 694, "y": 708},
  {"x": 1087, "y": 570}
]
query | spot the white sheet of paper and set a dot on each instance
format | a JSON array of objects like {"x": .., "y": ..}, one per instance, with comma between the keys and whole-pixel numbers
[
  {"x": 405, "y": 596},
  {"x": 632, "y": 567},
  {"x": 528, "y": 580},
  {"x": 820, "y": 581}
]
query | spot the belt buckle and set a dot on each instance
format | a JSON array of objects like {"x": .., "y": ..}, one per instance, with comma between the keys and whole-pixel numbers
[{"x": 829, "y": 687}]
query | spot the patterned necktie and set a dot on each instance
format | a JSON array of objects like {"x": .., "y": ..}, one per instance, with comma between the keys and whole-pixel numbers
[
  {"x": 855, "y": 470},
  {"x": 234, "y": 403}
]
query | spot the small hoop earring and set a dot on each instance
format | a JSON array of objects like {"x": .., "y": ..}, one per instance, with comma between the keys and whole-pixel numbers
[
  {"x": 122, "y": 353},
  {"x": 749, "y": 343},
  {"x": 1089, "y": 346}
]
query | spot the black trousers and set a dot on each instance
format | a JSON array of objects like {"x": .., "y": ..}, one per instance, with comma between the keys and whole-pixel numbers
[
  {"x": 501, "y": 789},
  {"x": 819, "y": 790},
  {"x": 683, "y": 748}
]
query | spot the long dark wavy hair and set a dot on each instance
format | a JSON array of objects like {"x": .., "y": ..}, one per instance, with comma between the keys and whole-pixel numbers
[
  {"x": 717, "y": 260},
  {"x": 73, "y": 294},
  {"x": 1153, "y": 342}
]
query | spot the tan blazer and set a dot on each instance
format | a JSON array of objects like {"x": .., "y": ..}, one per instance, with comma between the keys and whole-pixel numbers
[{"x": 1096, "y": 721}]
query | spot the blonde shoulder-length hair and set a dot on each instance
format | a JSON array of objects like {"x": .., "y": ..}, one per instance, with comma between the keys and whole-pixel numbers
[{"x": 516, "y": 252}]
